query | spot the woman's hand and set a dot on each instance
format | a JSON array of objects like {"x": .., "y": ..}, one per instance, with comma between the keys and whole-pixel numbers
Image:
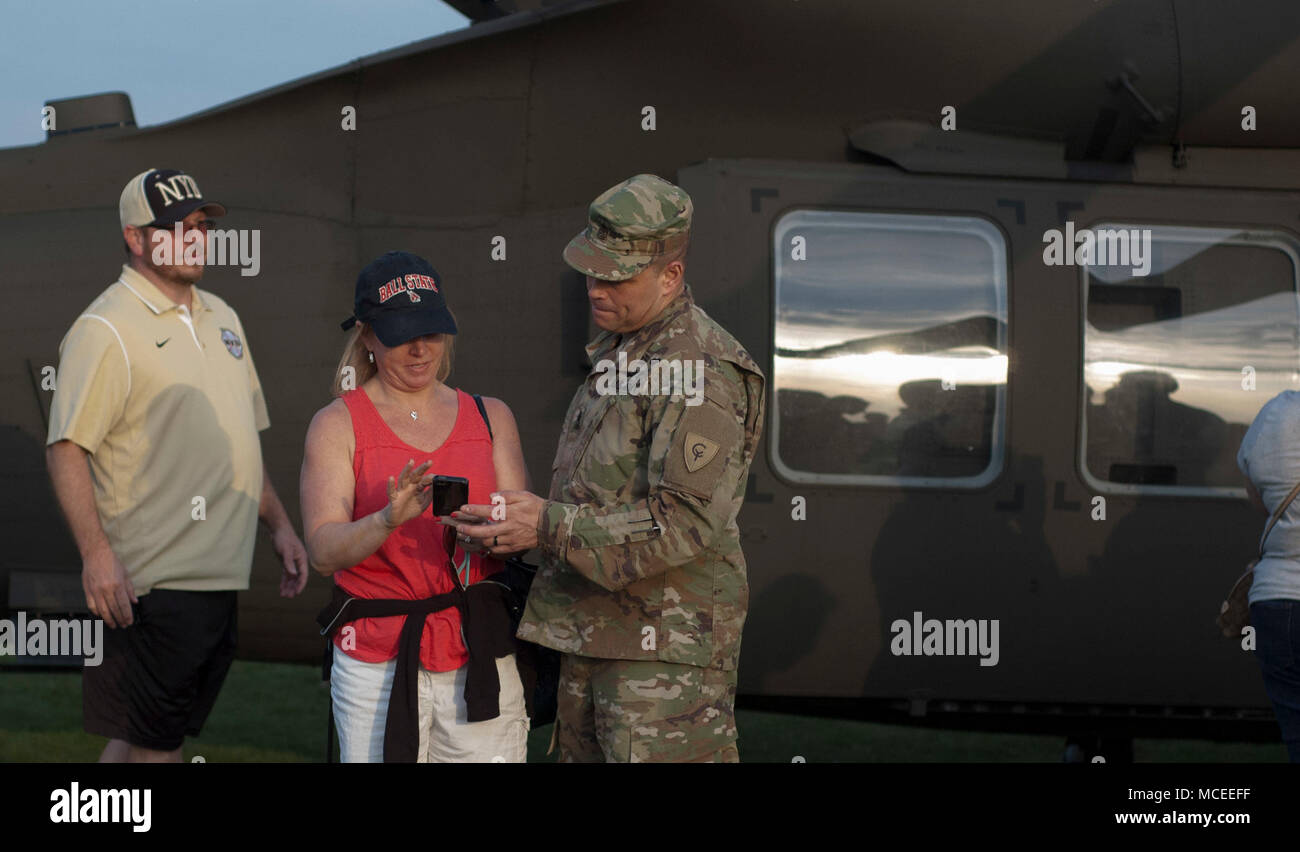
[{"x": 408, "y": 495}]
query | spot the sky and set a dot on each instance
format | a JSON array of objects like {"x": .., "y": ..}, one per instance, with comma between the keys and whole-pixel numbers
[{"x": 177, "y": 57}]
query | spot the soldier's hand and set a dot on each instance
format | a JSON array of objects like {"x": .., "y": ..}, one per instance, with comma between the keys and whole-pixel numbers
[
  {"x": 408, "y": 495},
  {"x": 517, "y": 532},
  {"x": 109, "y": 593}
]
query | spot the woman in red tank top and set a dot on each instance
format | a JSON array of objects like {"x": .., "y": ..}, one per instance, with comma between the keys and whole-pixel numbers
[{"x": 371, "y": 456}]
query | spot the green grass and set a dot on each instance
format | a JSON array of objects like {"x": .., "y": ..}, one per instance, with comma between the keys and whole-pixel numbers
[{"x": 275, "y": 712}]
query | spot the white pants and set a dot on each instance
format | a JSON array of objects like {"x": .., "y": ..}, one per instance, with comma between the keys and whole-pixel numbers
[{"x": 360, "y": 692}]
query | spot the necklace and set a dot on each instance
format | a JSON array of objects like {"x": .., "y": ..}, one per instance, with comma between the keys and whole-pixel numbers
[{"x": 415, "y": 416}]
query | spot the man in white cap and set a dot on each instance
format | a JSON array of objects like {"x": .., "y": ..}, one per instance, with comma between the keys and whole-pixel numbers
[{"x": 155, "y": 458}]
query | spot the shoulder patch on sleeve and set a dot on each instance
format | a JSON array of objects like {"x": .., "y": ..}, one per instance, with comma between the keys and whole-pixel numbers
[
  {"x": 698, "y": 451},
  {"x": 705, "y": 441}
]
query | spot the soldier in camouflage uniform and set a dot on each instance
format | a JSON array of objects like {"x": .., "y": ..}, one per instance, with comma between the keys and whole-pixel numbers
[{"x": 643, "y": 580}]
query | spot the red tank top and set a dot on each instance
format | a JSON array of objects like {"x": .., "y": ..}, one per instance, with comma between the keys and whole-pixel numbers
[{"x": 412, "y": 563}]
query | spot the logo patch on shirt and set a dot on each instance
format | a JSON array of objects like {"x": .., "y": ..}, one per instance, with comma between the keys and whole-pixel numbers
[
  {"x": 698, "y": 451},
  {"x": 233, "y": 343}
]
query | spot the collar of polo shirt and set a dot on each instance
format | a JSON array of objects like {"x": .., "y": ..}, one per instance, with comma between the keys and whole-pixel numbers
[{"x": 148, "y": 292}]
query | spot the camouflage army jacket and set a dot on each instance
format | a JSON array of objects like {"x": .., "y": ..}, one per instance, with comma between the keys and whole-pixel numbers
[{"x": 641, "y": 550}]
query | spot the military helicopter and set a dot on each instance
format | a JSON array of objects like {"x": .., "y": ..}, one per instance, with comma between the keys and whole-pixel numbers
[{"x": 997, "y": 487}]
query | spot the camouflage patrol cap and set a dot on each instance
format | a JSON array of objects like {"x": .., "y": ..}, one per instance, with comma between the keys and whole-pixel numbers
[{"x": 629, "y": 226}]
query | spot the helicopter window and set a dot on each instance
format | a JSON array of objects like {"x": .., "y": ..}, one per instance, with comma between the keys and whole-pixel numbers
[
  {"x": 1178, "y": 362},
  {"x": 890, "y": 350}
]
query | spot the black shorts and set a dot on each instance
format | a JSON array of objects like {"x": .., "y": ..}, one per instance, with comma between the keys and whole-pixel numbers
[{"x": 159, "y": 677}]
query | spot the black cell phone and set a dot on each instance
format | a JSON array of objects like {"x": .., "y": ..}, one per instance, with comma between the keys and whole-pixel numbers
[{"x": 449, "y": 494}]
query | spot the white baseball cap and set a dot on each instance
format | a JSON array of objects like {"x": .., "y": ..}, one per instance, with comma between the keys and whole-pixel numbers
[{"x": 162, "y": 197}]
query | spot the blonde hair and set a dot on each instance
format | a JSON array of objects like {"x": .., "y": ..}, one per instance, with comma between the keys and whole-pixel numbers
[{"x": 357, "y": 357}]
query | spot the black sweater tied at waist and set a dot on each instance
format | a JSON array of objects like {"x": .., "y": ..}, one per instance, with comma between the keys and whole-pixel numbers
[{"x": 485, "y": 624}]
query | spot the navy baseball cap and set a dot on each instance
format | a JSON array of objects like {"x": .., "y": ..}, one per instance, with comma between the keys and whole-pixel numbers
[
  {"x": 162, "y": 197},
  {"x": 399, "y": 295}
]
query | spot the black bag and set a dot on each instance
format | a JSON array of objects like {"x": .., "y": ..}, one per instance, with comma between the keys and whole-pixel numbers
[{"x": 539, "y": 667}]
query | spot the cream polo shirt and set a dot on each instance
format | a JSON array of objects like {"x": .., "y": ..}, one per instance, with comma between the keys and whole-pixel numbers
[{"x": 169, "y": 406}]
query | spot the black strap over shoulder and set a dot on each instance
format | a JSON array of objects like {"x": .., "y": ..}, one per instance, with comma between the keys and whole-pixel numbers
[{"x": 478, "y": 400}]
